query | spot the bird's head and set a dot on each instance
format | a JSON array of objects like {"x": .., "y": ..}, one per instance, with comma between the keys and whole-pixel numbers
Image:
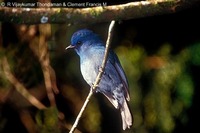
[{"x": 83, "y": 38}]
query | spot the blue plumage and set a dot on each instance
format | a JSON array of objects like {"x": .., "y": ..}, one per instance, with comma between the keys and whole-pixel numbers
[{"x": 113, "y": 84}]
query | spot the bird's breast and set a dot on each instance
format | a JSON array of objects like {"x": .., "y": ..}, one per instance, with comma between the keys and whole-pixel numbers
[
  {"x": 90, "y": 62},
  {"x": 89, "y": 70}
]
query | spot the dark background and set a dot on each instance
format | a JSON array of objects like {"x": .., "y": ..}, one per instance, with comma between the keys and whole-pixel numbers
[{"x": 160, "y": 55}]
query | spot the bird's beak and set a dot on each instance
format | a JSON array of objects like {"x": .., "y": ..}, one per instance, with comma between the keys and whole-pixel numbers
[{"x": 68, "y": 47}]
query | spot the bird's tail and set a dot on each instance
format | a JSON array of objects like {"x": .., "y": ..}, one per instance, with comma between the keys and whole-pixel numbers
[{"x": 126, "y": 115}]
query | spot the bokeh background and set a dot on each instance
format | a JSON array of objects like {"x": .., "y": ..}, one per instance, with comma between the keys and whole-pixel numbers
[{"x": 160, "y": 56}]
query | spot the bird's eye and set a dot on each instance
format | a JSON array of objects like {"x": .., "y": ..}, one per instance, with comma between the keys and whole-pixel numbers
[{"x": 78, "y": 43}]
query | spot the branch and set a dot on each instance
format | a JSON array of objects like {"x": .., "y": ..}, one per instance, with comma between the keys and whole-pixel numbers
[
  {"x": 40, "y": 49},
  {"x": 102, "y": 13},
  {"x": 105, "y": 56},
  {"x": 98, "y": 78},
  {"x": 18, "y": 86}
]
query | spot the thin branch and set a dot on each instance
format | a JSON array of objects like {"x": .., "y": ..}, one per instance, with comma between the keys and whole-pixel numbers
[
  {"x": 41, "y": 51},
  {"x": 102, "y": 13},
  {"x": 81, "y": 111},
  {"x": 18, "y": 86},
  {"x": 98, "y": 78},
  {"x": 105, "y": 55}
]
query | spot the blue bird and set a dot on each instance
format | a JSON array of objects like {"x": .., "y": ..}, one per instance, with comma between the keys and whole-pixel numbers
[{"x": 113, "y": 84}]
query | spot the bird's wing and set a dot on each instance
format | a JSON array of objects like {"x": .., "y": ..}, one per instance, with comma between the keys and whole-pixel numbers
[{"x": 120, "y": 71}]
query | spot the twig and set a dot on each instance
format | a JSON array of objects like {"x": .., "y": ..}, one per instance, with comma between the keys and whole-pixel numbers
[
  {"x": 41, "y": 51},
  {"x": 105, "y": 56},
  {"x": 98, "y": 78},
  {"x": 45, "y": 62},
  {"x": 81, "y": 111},
  {"x": 18, "y": 86},
  {"x": 102, "y": 13}
]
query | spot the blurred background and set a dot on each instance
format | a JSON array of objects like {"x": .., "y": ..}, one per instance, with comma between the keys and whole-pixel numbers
[{"x": 160, "y": 56}]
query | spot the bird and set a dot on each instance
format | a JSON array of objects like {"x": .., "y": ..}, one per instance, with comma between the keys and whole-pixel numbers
[{"x": 113, "y": 84}]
